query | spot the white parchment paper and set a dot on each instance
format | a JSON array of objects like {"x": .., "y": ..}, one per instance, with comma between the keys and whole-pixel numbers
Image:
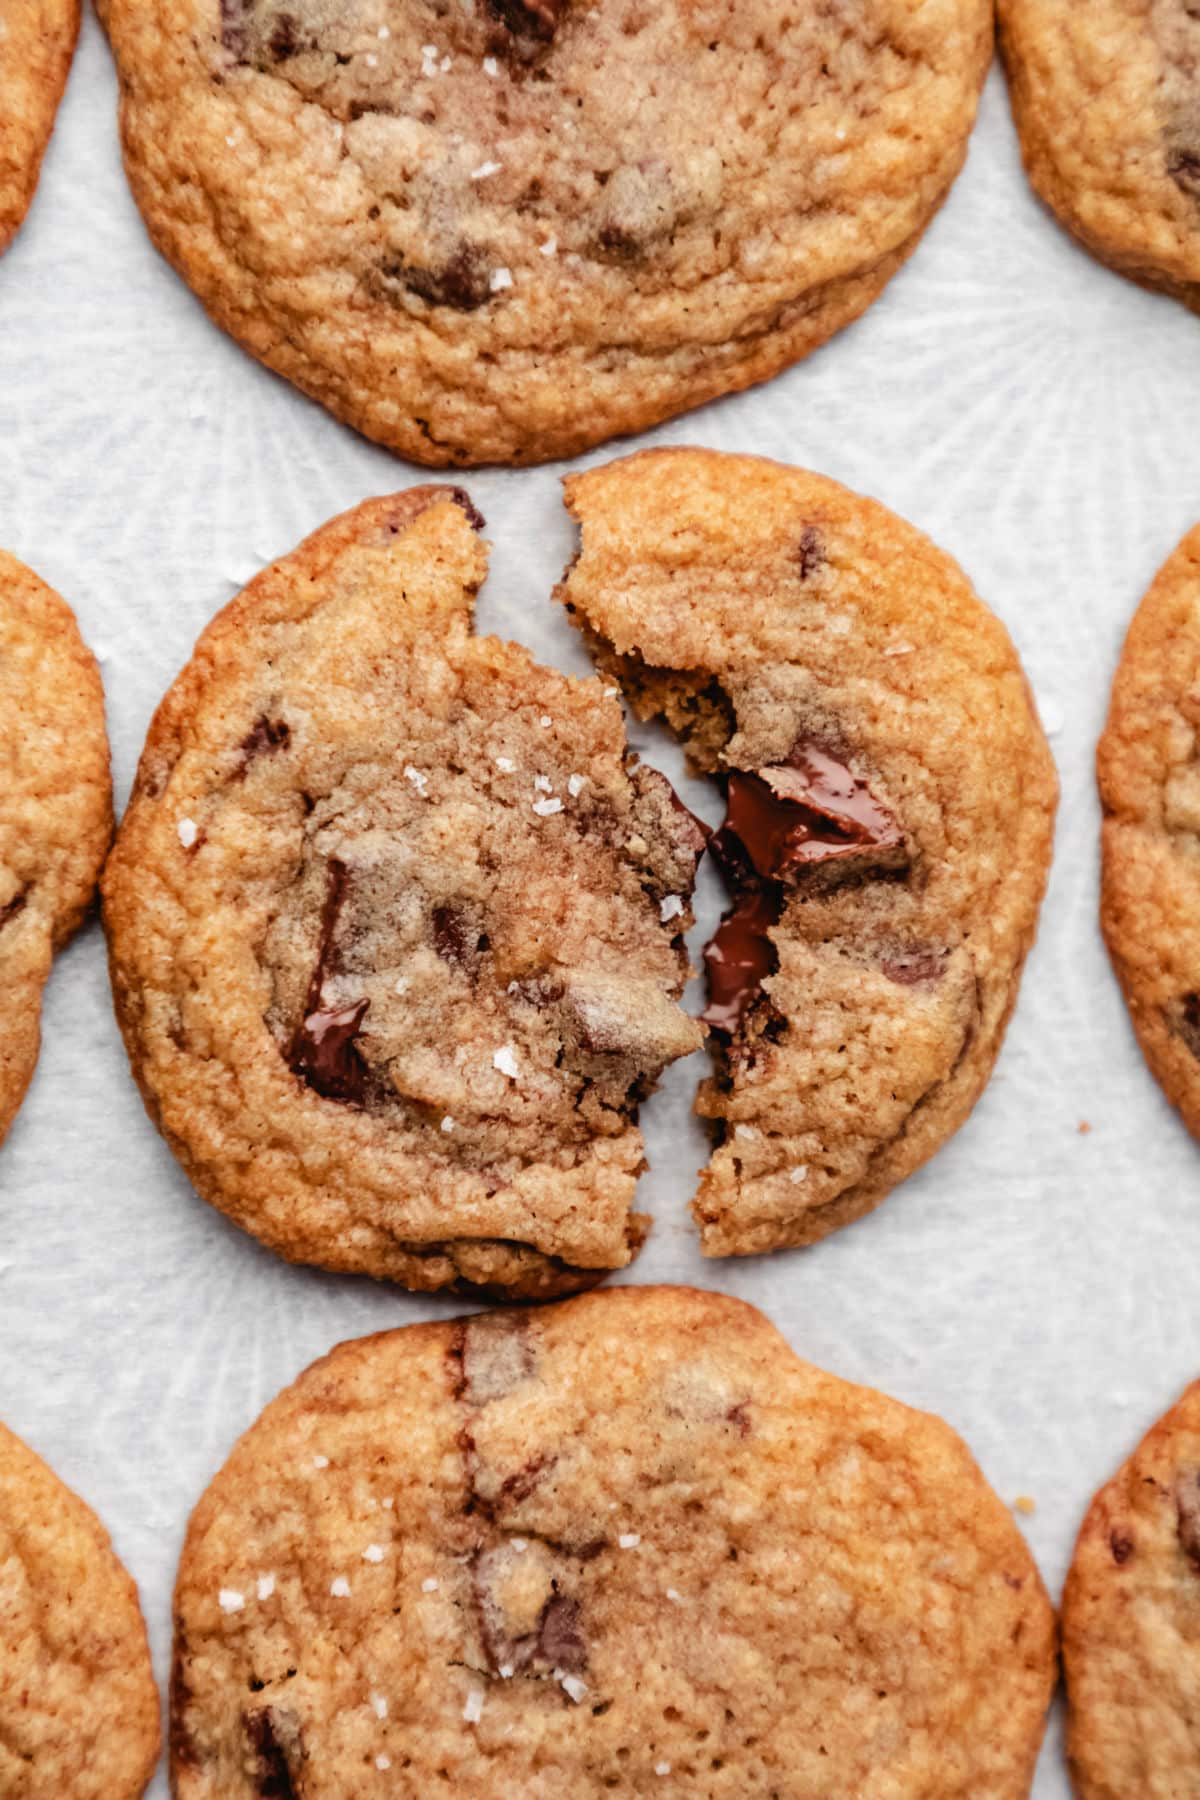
[{"x": 1036, "y": 1285}]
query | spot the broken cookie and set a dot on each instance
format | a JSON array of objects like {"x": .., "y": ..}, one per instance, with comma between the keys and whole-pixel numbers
[
  {"x": 396, "y": 923},
  {"x": 889, "y": 811},
  {"x": 628, "y": 1544}
]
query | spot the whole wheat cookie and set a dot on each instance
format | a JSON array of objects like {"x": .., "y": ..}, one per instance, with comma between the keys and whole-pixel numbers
[
  {"x": 55, "y": 805},
  {"x": 629, "y": 1544},
  {"x": 503, "y": 231},
  {"x": 1131, "y": 1622},
  {"x": 1149, "y": 770},
  {"x": 396, "y": 922},
  {"x": 1107, "y": 103},
  {"x": 37, "y": 42},
  {"x": 78, "y": 1703},
  {"x": 890, "y": 806}
]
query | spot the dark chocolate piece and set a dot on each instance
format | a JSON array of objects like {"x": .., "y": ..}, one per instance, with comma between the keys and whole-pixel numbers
[
  {"x": 739, "y": 957},
  {"x": 322, "y": 1051},
  {"x": 1184, "y": 1020},
  {"x": 1183, "y": 166},
  {"x": 1121, "y": 1547},
  {"x": 1187, "y": 1505},
  {"x": 812, "y": 551},
  {"x": 911, "y": 964},
  {"x": 274, "y": 1736},
  {"x": 463, "y": 282},
  {"x": 529, "y": 18},
  {"x": 263, "y": 739},
  {"x": 806, "y": 811}
]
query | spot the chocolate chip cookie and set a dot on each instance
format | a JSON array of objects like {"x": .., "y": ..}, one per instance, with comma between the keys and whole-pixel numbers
[
  {"x": 1149, "y": 770},
  {"x": 55, "y": 806},
  {"x": 505, "y": 231},
  {"x": 890, "y": 802},
  {"x": 1107, "y": 104},
  {"x": 78, "y": 1704},
  {"x": 37, "y": 42},
  {"x": 1131, "y": 1622},
  {"x": 629, "y": 1544},
  {"x": 396, "y": 923}
]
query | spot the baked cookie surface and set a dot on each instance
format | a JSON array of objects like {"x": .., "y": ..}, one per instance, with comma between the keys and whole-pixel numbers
[
  {"x": 55, "y": 805},
  {"x": 890, "y": 805},
  {"x": 436, "y": 1561},
  {"x": 1107, "y": 103},
  {"x": 1131, "y": 1622},
  {"x": 507, "y": 231},
  {"x": 37, "y": 42},
  {"x": 78, "y": 1703},
  {"x": 1148, "y": 764},
  {"x": 396, "y": 924}
]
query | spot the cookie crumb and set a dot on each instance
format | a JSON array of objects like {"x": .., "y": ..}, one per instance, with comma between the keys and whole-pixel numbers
[
  {"x": 230, "y": 1600},
  {"x": 266, "y": 1586},
  {"x": 671, "y": 908},
  {"x": 545, "y": 808},
  {"x": 188, "y": 831},
  {"x": 339, "y": 1587},
  {"x": 1024, "y": 1505},
  {"x": 1083, "y": 1127},
  {"x": 505, "y": 1059},
  {"x": 473, "y": 1709},
  {"x": 501, "y": 279}
]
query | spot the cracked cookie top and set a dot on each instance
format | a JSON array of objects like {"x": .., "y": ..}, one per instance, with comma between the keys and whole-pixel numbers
[
  {"x": 397, "y": 922},
  {"x": 1131, "y": 1621},
  {"x": 37, "y": 42},
  {"x": 55, "y": 805},
  {"x": 78, "y": 1704},
  {"x": 629, "y": 1544},
  {"x": 1149, "y": 771},
  {"x": 890, "y": 803},
  {"x": 1107, "y": 103},
  {"x": 503, "y": 230}
]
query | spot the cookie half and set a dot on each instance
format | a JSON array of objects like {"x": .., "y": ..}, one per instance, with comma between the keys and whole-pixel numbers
[
  {"x": 1131, "y": 1622},
  {"x": 1107, "y": 103},
  {"x": 55, "y": 806},
  {"x": 1148, "y": 764},
  {"x": 627, "y": 1544},
  {"x": 504, "y": 232},
  {"x": 890, "y": 806},
  {"x": 78, "y": 1703},
  {"x": 396, "y": 922},
  {"x": 37, "y": 42}
]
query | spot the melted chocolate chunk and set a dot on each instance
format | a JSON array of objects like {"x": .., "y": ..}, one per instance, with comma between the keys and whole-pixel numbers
[
  {"x": 234, "y": 33},
  {"x": 739, "y": 957},
  {"x": 463, "y": 283},
  {"x": 274, "y": 1736},
  {"x": 497, "y": 1356},
  {"x": 912, "y": 964},
  {"x": 1121, "y": 1547},
  {"x": 1187, "y": 1506},
  {"x": 806, "y": 811},
  {"x": 560, "y": 1635},
  {"x": 529, "y": 18},
  {"x": 284, "y": 40},
  {"x": 1183, "y": 1017},
  {"x": 781, "y": 822},
  {"x": 456, "y": 940},
  {"x": 812, "y": 551},
  {"x": 322, "y": 1051},
  {"x": 263, "y": 739}
]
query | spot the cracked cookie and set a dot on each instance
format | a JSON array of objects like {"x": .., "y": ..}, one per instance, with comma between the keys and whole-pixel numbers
[
  {"x": 506, "y": 230},
  {"x": 55, "y": 806},
  {"x": 1148, "y": 764},
  {"x": 1131, "y": 1622},
  {"x": 1107, "y": 103},
  {"x": 628, "y": 1544},
  {"x": 78, "y": 1704},
  {"x": 37, "y": 42},
  {"x": 890, "y": 803},
  {"x": 396, "y": 923}
]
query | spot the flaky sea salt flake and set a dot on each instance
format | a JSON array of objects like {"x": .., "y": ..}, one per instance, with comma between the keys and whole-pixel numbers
[
  {"x": 505, "y": 1059},
  {"x": 188, "y": 831},
  {"x": 546, "y": 808},
  {"x": 230, "y": 1600}
]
